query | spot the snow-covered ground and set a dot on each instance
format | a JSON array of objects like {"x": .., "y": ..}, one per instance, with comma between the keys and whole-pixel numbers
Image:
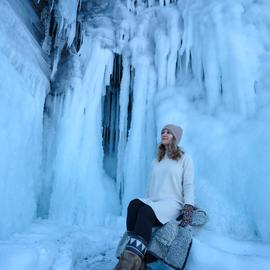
[{"x": 47, "y": 246}]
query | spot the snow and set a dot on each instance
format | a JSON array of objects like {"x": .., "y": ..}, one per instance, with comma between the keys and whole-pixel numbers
[
  {"x": 201, "y": 64},
  {"x": 46, "y": 245}
]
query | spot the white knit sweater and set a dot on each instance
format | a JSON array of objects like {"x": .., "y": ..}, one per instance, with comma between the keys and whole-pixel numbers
[{"x": 171, "y": 186}]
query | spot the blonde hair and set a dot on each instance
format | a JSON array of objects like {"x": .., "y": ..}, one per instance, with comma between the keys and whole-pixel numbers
[{"x": 173, "y": 151}]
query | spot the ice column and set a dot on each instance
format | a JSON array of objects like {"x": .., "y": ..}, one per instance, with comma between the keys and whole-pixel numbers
[
  {"x": 137, "y": 150},
  {"x": 23, "y": 86},
  {"x": 79, "y": 195}
]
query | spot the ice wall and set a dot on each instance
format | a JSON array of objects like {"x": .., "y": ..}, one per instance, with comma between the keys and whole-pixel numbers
[
  {"x": 227, "y": 55},
  {"x": 198, "y": 64},
  {"x": 208, "y": 62},
  {"x": 23, "y": 86},
  {"x": 202, "y": 64}
]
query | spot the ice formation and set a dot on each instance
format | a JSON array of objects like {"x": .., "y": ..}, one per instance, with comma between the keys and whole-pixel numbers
[{"x": 86, "y": 87}]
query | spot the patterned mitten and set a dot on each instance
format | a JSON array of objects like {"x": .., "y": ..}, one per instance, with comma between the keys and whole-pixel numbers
[{"x": 187, "y": 215}]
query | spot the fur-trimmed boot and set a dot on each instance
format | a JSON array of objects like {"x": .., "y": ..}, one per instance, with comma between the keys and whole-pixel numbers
[
  {"x": 129, "y": 261},
  {"x": 132, "y": 257}
]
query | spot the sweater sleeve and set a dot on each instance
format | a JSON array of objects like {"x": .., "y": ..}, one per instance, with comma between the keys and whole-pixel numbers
[{"x": 188, "y": 180}]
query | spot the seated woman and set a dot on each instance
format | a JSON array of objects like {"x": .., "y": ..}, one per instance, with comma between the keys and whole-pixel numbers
[{"x": 171, "y": 189}]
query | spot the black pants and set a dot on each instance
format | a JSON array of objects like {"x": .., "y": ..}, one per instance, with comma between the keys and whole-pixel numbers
[{"x": 141, "y": 219}]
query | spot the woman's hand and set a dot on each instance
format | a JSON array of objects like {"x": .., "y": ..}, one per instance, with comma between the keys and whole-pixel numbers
[{"x": 187, "y": 215}]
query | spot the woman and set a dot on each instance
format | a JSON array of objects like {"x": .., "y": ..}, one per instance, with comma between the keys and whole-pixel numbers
[{"x": 171, "y": 189}]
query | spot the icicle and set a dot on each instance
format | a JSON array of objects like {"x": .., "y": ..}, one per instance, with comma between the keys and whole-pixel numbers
[
  {"x": 46, "y": 20},
  {"x": 71, "y": 34},
  {"x": 78, "y": 36},
  {"x": 55, "y": 62},
  {"x": 79, "y": 5},
  {"x": 151, "y": 3},
  {"x": 63, "y": 21},
  {"x": 125, "y": 87},
  {"x": 52, "y": 5}
]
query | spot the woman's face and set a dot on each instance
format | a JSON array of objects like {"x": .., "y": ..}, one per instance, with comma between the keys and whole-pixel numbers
[{"x": 166, "y": 136}]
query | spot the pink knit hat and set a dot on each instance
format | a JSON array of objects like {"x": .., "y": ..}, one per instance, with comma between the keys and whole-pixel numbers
[{"x": 175, "y": 130}]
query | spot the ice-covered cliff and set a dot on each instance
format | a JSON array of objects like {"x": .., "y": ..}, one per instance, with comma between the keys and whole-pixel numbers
[
  {"x": 24, "y": 84},
  {"x": 85, "y": 88},
  {"x": 142, "y": 64}
]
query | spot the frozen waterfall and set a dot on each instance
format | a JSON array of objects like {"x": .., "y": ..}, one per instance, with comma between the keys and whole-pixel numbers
[{"x": 85, "y": 88}]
